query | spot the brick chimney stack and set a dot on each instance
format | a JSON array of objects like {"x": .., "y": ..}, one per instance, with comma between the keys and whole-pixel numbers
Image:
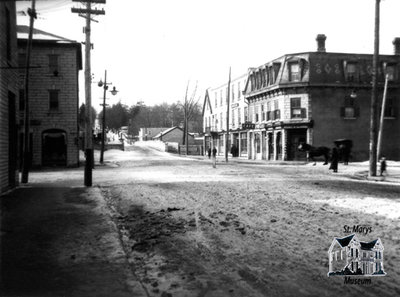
[
  {"x": 396, "y": 43},
  {"x": 321, "y": 43}
]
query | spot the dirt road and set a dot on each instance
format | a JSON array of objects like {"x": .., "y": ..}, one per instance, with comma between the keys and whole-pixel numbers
[{"x": 245, "y": 229}]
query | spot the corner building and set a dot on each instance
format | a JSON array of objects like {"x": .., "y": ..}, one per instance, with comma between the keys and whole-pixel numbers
[
  {"x": 319, "y": 97},
  {"x": 53, "y": 98}
]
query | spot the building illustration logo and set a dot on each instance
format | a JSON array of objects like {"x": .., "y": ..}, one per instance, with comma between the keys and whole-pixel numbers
[{"x": 350, "y": 256}]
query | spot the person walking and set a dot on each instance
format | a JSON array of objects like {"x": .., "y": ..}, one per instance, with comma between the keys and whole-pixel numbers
[
  {"x": 334, "y": 160},
  {"x": 209, "y": 152},
  {"x": 382, "y": 162},
  {"x": 214, "y": 157}
]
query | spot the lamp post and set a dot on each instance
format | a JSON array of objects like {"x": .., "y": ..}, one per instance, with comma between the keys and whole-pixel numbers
[{"x": 103, "y": 125}]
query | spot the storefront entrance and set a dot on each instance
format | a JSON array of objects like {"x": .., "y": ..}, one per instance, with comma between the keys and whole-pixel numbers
[
  {"x": 295, "y": 137},
  {"x": 54, "y": 148}
]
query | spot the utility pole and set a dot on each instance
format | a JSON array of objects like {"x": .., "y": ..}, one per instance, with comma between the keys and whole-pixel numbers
[
  {"x": 103, "y": 130},
  {"x": 26, "y": 159},
  {"x": 379, "y": 149},
  {"x": 88, "y": 88},
  {"x": 227, "y": 116},
  {"x": 374, "y": 97}
]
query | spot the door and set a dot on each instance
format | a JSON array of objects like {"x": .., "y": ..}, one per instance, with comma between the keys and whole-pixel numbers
[
  {"x": 295, "y": 137},
  {"x": 54, "y": 148}
]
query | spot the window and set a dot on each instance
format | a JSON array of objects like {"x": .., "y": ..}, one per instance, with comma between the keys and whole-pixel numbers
[
  {"x": 233, "y": 92},
  {"x": 239, "y": 93},
  {"x": 294, "y": 72},
  {"x": 21, "y": 60},
  {"x": 53, "y": 65},
  {"x": 220, "y": 121},
  {"x": 256, "y": 113},
  {"x": 390, "y": 71},
  {"x": 296, "y": 112},
  {"x": 262, "y": 113},
  {"x": 350, "y": 109},
  {"x": 351, "y": 71},
  {"x": 251, "y": 111},
  {"x": 233, "y": 117},
  {"x": 239, "y": 117},
  {"x": 269, "y": 117},
  {"x": 271, "y": 75},
  {"x": 21, "y": 99},
  {"x": 220, "y": 103},
  {"x": 216, "y": 99},
  {"x": 246, "y": 115},
  {"x": 53, "y": 99}
]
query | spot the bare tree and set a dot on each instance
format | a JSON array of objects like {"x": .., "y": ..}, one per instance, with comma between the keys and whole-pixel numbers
[{"x": 189, "y": 107}]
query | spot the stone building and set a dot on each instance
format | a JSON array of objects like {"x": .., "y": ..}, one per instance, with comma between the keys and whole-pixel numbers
[
  {"x": 215, "y": 114},
  {"x": 319, "y": 97},
  {"x": 53, "y": 97},
  {"x": 8, "y": 97}
]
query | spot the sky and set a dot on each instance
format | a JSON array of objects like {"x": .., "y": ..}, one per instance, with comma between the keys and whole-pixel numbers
[{"x": 153, "y": 49}]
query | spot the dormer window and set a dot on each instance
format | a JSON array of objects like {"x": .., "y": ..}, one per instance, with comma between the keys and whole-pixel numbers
[
  {"x": 351, "y": 71},
  {"x": 294, "y": 72},
  {"x": 390, "y": 72}
]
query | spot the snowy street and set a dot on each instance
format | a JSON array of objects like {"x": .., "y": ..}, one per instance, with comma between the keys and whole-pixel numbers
[{"x": 244, "y": 229}]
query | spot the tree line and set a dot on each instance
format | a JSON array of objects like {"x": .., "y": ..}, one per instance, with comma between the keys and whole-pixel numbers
[{"x": 142, "y": 116}]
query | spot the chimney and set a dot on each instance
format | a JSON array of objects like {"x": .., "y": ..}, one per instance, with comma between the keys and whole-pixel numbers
[
  {"x": 396, "y": 43},
  {"x": 321, "y": 43}
]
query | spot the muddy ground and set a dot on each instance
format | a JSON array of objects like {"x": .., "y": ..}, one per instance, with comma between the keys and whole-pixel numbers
[{"x": 245, "y": 229}]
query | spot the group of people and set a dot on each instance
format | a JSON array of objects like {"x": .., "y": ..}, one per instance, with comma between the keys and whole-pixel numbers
[{"x": 335, "y": 161}]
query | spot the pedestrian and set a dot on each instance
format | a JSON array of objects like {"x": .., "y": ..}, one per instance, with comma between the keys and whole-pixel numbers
[
  {"x": 382, "y": 162},
  {"x": 214, "y": 157},
  {"x": 209, "y": 152},
  {"x": 334, "y": 160}
]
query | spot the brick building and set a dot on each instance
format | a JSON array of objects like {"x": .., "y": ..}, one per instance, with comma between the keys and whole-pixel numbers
[
  {"x": 319, "y": 97},
  {"x": 8, "y": 97},
  {"x": 53, "y": 97},
  {"x": 215, "y": 112}
]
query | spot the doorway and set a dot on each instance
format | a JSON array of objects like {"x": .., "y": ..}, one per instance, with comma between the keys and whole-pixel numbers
[
  {"x": 295, "y": 137},
  {"x": 54, "y": 148}
]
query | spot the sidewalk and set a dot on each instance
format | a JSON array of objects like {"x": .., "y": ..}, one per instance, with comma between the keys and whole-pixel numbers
[
  {"x": 59, "y": 240},
  {"x": 356, "y": 170}
]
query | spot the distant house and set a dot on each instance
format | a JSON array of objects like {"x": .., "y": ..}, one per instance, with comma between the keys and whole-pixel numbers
[
  {"x": 173, "y": 134},
  {"x": 148, "y": 133},
  {"x": 356, "y": 257},
  {"x": 8, "y": 97},
  {"x": 53, "y": 97}
]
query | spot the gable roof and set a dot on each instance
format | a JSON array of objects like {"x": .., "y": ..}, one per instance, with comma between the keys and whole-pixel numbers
[
  {"x": 368, "y": 245},
  {"x": 162, "y": 133},
  {"x": 207, "y": 101},
  {"x": 345, "y": 240},
  {"x": 23, "y": 33}
]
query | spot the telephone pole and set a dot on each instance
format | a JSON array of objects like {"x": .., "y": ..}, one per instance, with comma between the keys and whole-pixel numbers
[
  {"x": 87, "y": 13},
  {"x": 227, "y": 116},
  {"x": 374, "y": 97},
  {"x": 26, "y": 159}
]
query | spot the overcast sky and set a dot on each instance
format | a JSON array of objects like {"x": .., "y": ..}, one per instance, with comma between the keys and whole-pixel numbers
[{"x": 152, "y": 48}]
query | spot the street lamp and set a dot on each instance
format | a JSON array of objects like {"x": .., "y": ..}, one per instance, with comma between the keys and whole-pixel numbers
[{"x": 113, "y": 92}]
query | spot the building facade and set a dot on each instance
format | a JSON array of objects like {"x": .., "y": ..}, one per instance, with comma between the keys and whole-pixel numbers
[
  {"x": 317, "y": 98},
  {"x": 215, "y": 112},
  {"x": 8, "y": 97},
  {"x": 53, "y": 98}
]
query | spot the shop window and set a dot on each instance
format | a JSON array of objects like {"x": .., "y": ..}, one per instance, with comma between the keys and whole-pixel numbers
[{"x": 390, "y": 72}]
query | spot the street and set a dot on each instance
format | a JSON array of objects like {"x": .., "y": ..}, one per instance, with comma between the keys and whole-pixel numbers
[
  {"x": 245, "y": 229},
  {"x": 187, "y": 229}
]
